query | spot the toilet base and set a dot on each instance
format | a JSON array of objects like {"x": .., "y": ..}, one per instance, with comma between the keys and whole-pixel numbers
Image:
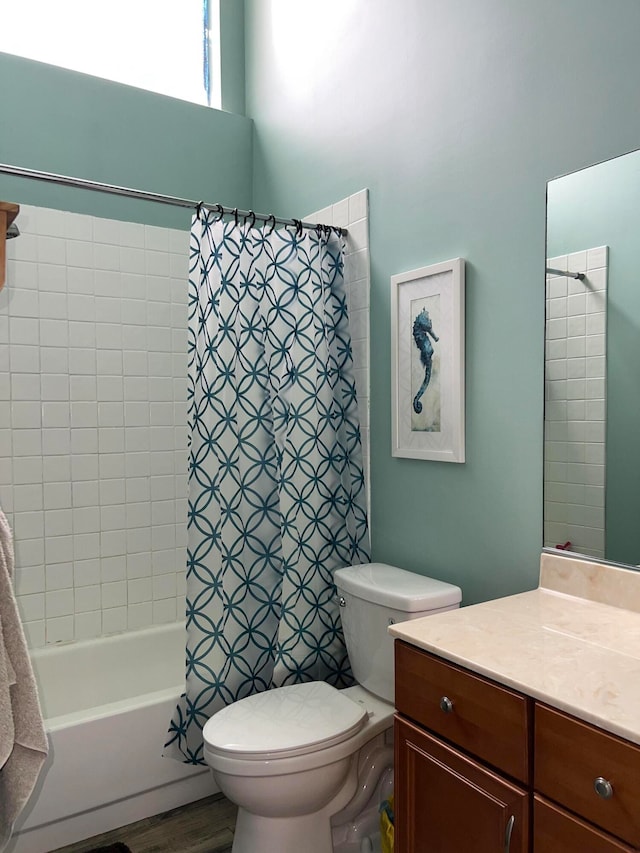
[
  {"x": 356, "y": 829},
  {"x": 304, "y": 834}
]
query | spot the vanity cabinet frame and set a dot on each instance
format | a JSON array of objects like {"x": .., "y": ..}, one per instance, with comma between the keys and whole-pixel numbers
[{"x": 464, "y": 742}]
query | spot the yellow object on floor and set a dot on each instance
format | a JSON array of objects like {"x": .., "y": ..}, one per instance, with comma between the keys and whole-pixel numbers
[{"x": 386, "y": 825}]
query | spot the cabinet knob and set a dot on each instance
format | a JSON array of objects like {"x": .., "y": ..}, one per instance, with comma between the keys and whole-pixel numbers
[
  {"x": 446, "y": 705},
  {"x": 603, "y": 788}
]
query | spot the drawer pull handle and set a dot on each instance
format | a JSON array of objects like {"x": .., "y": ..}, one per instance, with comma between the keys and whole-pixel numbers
[
  {"x": 446, "y": 705},
  {"x": 508, "y": 833},
  {"x": 603, "y": 788}
]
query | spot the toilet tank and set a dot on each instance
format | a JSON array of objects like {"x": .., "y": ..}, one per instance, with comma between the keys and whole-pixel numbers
[{"x": 372, "y": 597}]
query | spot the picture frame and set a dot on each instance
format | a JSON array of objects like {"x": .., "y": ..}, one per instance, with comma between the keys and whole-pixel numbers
[{"x": 427, "y": 362}]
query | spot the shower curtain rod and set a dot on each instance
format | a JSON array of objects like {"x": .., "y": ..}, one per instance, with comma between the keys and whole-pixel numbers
[
  {"x": 579, "y": 275},
  {"x": 82, "y": 183}
]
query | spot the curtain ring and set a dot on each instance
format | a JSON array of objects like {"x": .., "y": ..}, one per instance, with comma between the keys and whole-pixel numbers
[
  {"x": 298, "y": 224},
  {"x": 270, "y": 219},
  {"x": 219, "y": 210},
  {"x": 251, "y": 215},
  {"x": 235, "y": 214},
  {"x": 199, "y": 209}
]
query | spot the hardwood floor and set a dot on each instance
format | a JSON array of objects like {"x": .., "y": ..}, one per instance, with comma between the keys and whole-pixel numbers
[{"x": 205, "y": 826}]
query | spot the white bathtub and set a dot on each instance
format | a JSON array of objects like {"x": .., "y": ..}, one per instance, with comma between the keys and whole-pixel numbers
[{"x": 107, "y": 705}]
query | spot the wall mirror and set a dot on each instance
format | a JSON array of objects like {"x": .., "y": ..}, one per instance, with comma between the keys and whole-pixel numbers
[{"x": 592, "y": 362}]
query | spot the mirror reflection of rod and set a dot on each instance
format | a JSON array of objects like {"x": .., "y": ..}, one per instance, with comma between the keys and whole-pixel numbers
[{"x": 578, "y": 275}]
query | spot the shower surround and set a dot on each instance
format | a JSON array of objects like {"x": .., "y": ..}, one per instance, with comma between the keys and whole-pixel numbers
[{"x": 93, "y": 458}]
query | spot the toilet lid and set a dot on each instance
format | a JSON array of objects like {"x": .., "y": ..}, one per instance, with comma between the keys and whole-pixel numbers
[{"x": 288, "y": 721}]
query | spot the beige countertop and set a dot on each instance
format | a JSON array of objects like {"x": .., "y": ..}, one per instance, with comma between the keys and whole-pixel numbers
[{"x": 573, "y": 643}]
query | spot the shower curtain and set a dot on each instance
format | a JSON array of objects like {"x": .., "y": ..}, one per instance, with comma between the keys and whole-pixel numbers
[{"x": 276, "y": 485}]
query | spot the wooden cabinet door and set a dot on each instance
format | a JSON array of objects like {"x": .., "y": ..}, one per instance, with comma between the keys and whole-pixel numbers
[
  {"x": 447, "y": 803},
  {"x": 557, "y": 831}
]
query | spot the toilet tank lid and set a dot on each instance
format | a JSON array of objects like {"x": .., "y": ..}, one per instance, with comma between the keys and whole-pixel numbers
[{"x": 397, "y": 588}]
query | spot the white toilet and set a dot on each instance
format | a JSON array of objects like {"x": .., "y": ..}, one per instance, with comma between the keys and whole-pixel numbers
[{"x": 307, "y": 764}]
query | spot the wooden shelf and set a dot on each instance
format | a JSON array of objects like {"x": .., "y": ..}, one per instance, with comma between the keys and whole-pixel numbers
[{"x": 8, "y": 212}]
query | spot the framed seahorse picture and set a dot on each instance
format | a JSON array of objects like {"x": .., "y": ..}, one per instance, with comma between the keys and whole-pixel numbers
[{"x": 427, "y": 362}]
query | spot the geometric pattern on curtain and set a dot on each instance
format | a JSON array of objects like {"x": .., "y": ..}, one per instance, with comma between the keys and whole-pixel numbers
[{"x": 276, "y": 484}]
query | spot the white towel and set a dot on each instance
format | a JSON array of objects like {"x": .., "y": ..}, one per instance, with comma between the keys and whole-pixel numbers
[{"x": 23, "y": 742}]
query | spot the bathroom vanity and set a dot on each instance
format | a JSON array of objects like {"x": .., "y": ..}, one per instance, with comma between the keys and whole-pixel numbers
[{"x": 518, "y": 720}]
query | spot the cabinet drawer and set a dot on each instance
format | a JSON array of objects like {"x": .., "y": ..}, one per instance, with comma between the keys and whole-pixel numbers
[
  {"x": 489, "y": 721},
  {"x": 570, "y": 755},
  {"x": 557, "y": 831}
]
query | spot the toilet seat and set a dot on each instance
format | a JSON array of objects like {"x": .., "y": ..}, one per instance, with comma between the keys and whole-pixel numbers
[{"x": 283, "y": 723}]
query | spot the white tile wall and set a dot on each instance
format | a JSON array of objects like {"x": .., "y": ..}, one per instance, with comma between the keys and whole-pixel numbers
[
  {"x": 352, "y": 213},
  {"x": 92, "y": 423},
  {"x": 575, "y": 398}
]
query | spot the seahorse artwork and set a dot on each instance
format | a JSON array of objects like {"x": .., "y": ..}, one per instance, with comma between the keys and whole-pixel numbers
[{"x": 422, "y": 329}]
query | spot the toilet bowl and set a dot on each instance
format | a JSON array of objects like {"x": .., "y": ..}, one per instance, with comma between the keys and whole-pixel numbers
[
  {"x": 287, "y": 794},
  {"x": 307, "y": 764}
]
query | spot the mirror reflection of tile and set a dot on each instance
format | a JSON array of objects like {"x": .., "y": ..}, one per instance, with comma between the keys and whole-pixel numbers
[{"x": 575, "y": 400}]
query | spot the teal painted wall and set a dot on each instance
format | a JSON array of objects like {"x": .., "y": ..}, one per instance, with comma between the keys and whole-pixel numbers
[
  {"x": 455, "y": 114},
  {"x": 73, "y": 124},
  {"x": 601, "y": 207}
]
